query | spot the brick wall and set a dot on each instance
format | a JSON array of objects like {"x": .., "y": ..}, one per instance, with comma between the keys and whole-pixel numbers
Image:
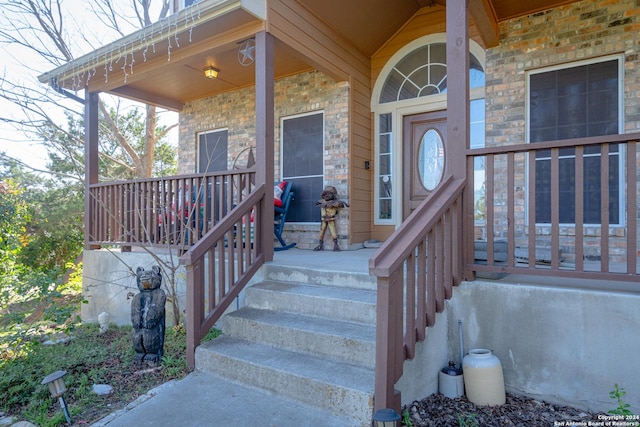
[
  {"x": 302, "y": 93},
  {"x": 579, "y": 31}
]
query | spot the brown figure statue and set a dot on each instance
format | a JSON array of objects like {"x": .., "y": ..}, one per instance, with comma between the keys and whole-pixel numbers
[
  {"x": 329, "y": 207},
  {"x": 148, "y": 316}
]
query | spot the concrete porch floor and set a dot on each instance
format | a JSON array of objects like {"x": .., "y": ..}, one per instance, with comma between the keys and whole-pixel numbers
[{"x": 355, "y": 261}]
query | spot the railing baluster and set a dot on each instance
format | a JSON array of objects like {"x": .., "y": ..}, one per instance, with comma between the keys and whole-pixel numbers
[
  {"x": 421, "y": 295},
  {"x": 579, "y": 209},
  {"x": 531, "y": 184},
  {"x": 447, "y": 255},
  {"x": 410, "y": 307},
  {"x": 490, "y": 207},
  {"x": 604, "y": 208},
  {"x": 431, "y": 278},
  {"x": 214, "y": 297},
  {"x": 632, "y": 206},
  {"x": 511, "y": 239},
  {"x": 555, "y": 206},
  {"x": 439, "y": 254}
]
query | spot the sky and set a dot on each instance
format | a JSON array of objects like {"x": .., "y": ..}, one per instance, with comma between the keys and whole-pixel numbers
[{"x": 19, "y": 64}]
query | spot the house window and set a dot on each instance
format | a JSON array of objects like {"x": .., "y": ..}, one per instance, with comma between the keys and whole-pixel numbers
[
  {"x": 576, "y": 102},
  {"x": 385, "y": 201},
  {"x": 212, "y": 151},
  {"x": 303, "y": 165}
]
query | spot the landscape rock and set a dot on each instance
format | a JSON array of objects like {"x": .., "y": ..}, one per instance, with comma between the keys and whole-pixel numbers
[
  {"x": 5, "y": 420},
  {"x": 102, "y": 389}
]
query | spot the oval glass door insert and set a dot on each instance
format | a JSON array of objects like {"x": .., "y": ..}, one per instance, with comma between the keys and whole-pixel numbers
[{"x": 431, "y": 159}]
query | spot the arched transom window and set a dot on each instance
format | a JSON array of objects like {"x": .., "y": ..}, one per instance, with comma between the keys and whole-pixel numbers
[{"x": 423, "y": 72}]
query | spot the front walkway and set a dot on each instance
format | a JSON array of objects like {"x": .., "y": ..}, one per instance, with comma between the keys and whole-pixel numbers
[{"x": 204, "y": 399}]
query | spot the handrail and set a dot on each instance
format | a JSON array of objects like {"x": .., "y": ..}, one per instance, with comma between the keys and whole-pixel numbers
[
  {"x": 423, "y": 255},
  {"x": 561, "y": 143},
  {"x": 220, "y": 265}
]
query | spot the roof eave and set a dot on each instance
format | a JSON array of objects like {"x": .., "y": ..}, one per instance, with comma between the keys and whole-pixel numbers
[{"x": 190, "y": 17}]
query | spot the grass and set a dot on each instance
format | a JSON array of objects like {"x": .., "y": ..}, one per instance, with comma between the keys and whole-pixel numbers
[{"x": 88, "y": 358}]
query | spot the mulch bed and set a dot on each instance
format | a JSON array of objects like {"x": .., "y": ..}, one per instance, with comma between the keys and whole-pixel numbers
[{"x": 440, "y": 411}]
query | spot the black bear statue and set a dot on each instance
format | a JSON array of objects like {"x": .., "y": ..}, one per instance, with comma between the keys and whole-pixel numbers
[{"x": 148, "y": 316}]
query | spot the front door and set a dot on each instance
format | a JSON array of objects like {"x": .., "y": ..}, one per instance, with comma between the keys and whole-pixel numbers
[{"x": 424, "y": 148}]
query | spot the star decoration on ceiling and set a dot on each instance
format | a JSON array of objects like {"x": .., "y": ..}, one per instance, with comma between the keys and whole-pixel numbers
[{"x": 246, "y": 53}]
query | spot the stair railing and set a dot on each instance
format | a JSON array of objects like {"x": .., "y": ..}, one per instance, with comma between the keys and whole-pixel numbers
[
  {"x": 416, "y": 269},
  {"x": 220, "y": 265}
]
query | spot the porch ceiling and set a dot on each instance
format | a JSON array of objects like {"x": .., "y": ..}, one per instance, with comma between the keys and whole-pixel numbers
[{"x": 174, "y": 76}]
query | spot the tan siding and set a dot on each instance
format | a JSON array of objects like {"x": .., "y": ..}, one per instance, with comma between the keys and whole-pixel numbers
[
  {"x": 382, "y": 232},
  {"x": 428, "y": 20}
]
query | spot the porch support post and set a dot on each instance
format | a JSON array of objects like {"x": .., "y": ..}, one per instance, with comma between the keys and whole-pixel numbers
[
  {"x": 264, "y": 135},
  {"x": 91, "y": 100},
  {"x": 457, "y": 86},
  {"x": 389, "y": 338},
  {"x": 458, "y": 108}
]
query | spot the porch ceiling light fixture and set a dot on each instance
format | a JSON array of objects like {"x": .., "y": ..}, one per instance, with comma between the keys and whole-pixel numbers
[
  {"x": 386, "y": 418},
  {"x": 57, "y": 388},
  {"x": 211, "y": 72}
]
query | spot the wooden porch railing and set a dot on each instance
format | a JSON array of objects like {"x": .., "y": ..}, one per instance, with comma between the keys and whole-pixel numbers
[
  {"x": 607, "y": 250},
  {"x": 169, "y": 211},
  {"x": 220, "y": 265},
  {"x": 416, "y": 269},
  {"x": 432, "y": 250}
]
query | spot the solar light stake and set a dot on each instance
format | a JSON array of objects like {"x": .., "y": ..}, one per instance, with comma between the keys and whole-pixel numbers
[
  {"x": 385, "y": 418},
  {"x": 57, "y": 389}
]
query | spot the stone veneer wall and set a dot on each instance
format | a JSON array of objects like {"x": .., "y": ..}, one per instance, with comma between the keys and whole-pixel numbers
[
  {"x": 302, "y": 93},
  {"x": 579, "y": 31}
]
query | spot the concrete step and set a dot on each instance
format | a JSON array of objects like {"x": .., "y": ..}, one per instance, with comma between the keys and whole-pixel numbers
[
  {"x": 333, "y": 302},
  {"x": 319, "y": 275},
  {"x": 346, "y": 341},
  {"x": 343, "y": 388}
]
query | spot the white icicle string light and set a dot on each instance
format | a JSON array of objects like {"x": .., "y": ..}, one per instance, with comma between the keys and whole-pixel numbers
[
  {"x": 106, "y": 69},
  {"x": 79, "y": 78},
  {"x": 186, "y": 24},
  {"x": 175, "y": 34},
  {"x": 133, "y": 59},
  {"x": 124, "y": 65},
  {"x": 169, "y": 42}
]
